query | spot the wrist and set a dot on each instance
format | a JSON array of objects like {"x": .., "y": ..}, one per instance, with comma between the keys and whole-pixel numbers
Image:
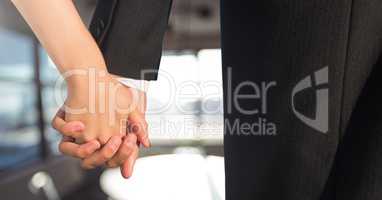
[{"x": 82, "y": 80}]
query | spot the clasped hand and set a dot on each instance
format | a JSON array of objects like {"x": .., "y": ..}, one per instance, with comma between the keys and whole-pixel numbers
[{"x": 102, "y": 122}]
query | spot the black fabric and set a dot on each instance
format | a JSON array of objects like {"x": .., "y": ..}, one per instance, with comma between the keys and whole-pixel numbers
[
  {"x": 285, "y": 41},
  {"x": 130, "y": 34},
  {"x": 102, "y": 18},
  {"x": 280, "y": 42}
]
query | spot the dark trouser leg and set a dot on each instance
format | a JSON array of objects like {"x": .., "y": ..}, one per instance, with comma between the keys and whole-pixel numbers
[{"x": 282, "y": 42}]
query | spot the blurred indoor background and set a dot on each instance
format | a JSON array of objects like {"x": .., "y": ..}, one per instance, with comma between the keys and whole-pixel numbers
[{"x": 184, "y": 112}]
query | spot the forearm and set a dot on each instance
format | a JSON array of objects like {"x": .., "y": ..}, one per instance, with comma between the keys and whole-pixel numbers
[{"x": 59, "y": 28}]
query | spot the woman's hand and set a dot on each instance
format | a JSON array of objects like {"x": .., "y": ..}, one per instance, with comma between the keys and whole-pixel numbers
[
  {"x": 114, "y": 153},
  {"x": 118, "y": 151},
  {"x": 104, "y": 106}
]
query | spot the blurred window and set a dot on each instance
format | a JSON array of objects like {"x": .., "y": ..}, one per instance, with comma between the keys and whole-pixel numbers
[
  {"x": 19, "y": 133},
  {"x": 51, "y": 97},
  {"x": 186, "y": 102}
]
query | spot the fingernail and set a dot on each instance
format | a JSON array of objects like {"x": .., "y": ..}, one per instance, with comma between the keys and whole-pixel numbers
[
  {"x": 147, "y": 143},
  {"x": 135, "y": 129},
  {"x": 125, "y": 174},
  {"x": 129, "y": 173}
]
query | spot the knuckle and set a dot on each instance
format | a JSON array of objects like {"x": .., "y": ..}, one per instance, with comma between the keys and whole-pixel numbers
[
  {"x": 87, "y": 137},
  {"x": 126, "y": 153},
  {"x": 128, "y": 145},
  {"x": 53, "y": 123},
  {"x": 81, "y": 153},
  {"x": 107, "y": 153},
  {"x": 72, "y": 133},
  {"x": 88, "y": 152},
  {"x": 132, "y": 127},
  {"x": 103, "y": 140},
  {"x": 111, "y": 164}
]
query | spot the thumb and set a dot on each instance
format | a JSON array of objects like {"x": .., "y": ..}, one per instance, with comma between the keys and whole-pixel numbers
[
  {"x": 138, "y": 125},
  {"x": 70, "y": 129}
]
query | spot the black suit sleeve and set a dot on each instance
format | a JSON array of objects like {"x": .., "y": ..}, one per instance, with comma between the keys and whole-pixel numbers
[{"x": 130, "y": 34}]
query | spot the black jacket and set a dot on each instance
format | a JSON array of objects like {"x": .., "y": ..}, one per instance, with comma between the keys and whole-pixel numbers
[{"x": 130, "y": 34}]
